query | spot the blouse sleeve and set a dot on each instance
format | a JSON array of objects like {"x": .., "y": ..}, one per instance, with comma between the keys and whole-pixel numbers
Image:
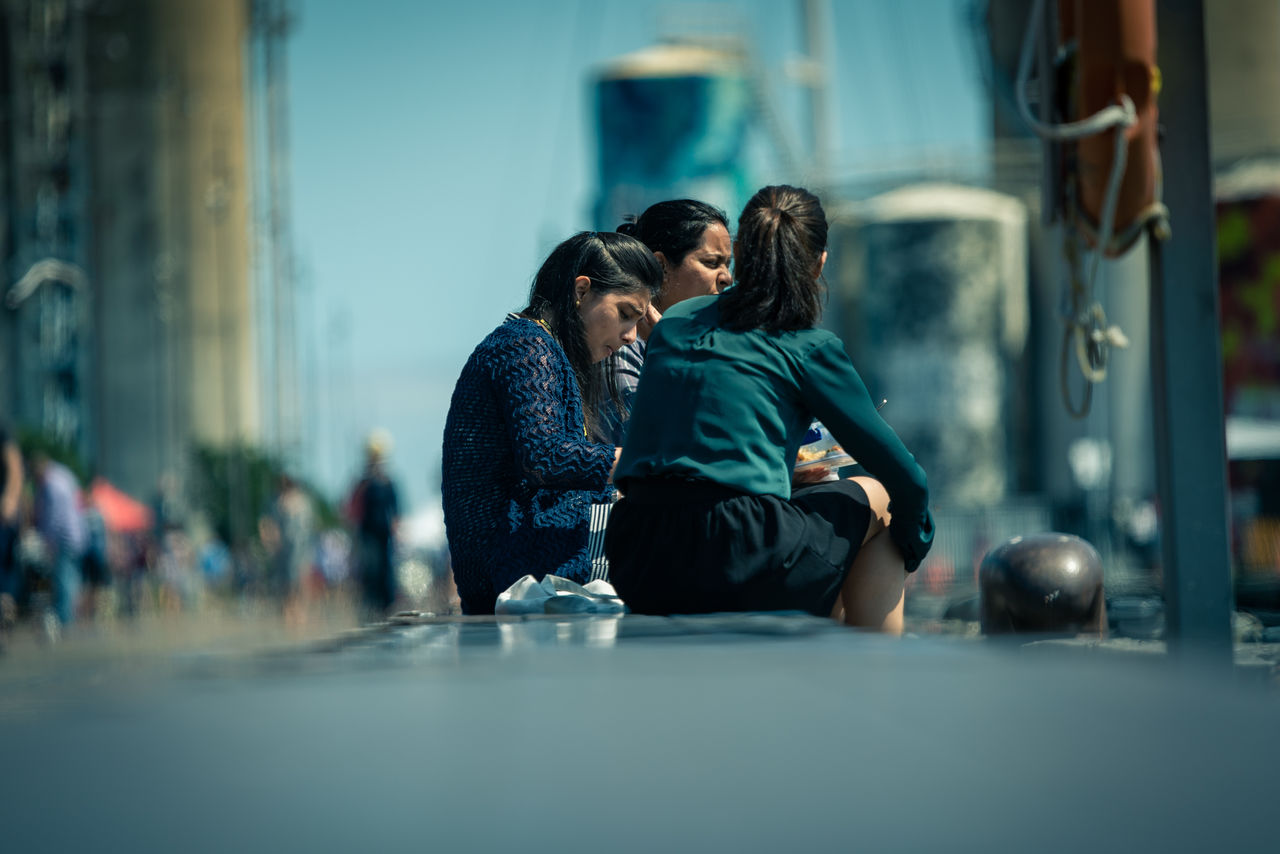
[
  {"x": 627, "y": 364},
  {"x": 530, "y": 374},
  {"x": 836, "y": 395}
]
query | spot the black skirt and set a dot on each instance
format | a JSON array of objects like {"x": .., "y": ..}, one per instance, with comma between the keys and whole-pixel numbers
[{"x": 696, "y": 547}]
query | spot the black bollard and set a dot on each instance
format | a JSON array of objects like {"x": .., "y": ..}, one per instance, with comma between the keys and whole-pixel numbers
[{"x": 1046, "y": 583}]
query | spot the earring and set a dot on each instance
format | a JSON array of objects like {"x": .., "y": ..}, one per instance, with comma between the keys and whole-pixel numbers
[{"x": 578, "y": 304}]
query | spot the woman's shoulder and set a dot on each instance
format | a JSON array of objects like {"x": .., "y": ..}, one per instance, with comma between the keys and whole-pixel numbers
[
  {"x": 518, "y": 326},
  {"x": 687, "y": 320},
  {"x": 805, "y": 340},
  {"x": 516, "y": 332},
  {"x": 519, "y": 345},
  {"x": 692, "y": 306},
  {"x": 818, "y": 337}
]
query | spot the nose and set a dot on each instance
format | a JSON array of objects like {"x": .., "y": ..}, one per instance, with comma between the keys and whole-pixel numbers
[
  {"x": 724, "y": 279},
  {"x": 628, "y": 336}
]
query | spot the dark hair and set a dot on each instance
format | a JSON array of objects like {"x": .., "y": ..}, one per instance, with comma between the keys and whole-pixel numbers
[
  {"x": 782, "y": 234},
  {"x": 613, "y": 262},
  {"x": 674, "y": 227}
]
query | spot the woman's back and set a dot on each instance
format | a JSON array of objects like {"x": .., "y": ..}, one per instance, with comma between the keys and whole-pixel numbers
[
  {"x": 733, "y": 406},
  {"x": 719, "y": 404}
]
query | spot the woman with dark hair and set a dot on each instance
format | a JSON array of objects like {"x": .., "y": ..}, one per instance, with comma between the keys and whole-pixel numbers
[
  {"x": 708, "y": 520},
  {"x": 691, "y": 241},
  {"x": 520, "y": 473}
]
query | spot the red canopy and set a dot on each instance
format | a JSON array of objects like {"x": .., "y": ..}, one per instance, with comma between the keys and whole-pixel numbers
[{"x": 120, "y": 512}]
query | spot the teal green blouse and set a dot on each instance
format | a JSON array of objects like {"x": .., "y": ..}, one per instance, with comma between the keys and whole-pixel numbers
[{"x": 733, "y": 407}]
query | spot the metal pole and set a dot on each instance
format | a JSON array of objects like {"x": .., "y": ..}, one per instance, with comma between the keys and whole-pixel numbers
[
  {"x": 817, "y": 35},
  {"x": 1186, "y": 354},
  {"x": 276, "y": 22}
]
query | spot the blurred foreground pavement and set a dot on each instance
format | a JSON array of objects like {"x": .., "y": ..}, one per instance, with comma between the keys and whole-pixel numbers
[{"x": 730, "y": 733}]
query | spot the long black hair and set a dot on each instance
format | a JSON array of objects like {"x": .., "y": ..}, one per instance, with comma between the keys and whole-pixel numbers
[
  {"x": 674, "y": 227},
  {"x": 782, "y": 234},
  {"x": 613, "y": 262}
]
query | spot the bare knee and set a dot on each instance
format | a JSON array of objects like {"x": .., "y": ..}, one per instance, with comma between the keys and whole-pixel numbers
[{"x": 878, "y": 501}]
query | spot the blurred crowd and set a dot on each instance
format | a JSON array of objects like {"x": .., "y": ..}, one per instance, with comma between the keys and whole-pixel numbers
[{"x": 82, "y": 554}]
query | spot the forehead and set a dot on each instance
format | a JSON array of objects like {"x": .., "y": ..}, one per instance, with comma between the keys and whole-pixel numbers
[
  {"x": 715, "y": 238},
  {"x": 638, "y": 300}
]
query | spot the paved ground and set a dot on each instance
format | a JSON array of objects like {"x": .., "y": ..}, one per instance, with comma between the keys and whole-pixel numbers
[{"x": 640, "y": 734}]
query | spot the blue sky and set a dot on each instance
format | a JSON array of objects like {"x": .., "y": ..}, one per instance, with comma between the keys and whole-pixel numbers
[{"x": 440, "y": 150}]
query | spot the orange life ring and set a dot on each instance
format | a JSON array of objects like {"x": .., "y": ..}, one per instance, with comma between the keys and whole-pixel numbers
[{"x": 1114, "y": 54}]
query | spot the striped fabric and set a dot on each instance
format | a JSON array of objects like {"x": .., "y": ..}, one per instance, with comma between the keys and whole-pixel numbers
[{"x": 595, "y": 542}]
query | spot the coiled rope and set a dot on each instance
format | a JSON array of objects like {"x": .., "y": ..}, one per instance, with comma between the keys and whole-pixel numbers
[{"x": 1083, "y": 316}]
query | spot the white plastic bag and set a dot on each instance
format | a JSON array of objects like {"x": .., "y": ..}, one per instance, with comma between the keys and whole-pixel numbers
[{"x": 556, "y": 595}]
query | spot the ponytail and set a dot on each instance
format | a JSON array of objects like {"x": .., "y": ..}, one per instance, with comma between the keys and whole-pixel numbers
[{"x": 782, "y": 234}]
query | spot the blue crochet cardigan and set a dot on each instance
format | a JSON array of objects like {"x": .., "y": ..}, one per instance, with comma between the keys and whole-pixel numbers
[{"x": 519, "y": 475}]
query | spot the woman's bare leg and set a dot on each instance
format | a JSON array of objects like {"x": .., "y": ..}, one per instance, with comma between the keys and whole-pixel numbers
[{"x": 873, "y": 595}]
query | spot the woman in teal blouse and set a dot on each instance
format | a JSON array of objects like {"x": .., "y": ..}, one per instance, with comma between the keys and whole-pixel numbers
[{"x": 708, "y": 520}]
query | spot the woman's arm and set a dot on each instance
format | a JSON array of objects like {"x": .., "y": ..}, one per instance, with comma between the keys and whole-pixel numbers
[
  {"x": 13, "y": 483},
  {"x": 837, "y": 396},
  {"x": 546, "y": 437}
]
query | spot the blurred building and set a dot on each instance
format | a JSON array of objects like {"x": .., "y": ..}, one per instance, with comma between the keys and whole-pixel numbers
[
  {"x": 45, "y": 238},
  {"x": 127, "y": 170}
]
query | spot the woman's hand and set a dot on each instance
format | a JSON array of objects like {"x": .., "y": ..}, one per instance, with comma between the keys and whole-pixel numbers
[
  {"x": 646, "y": 324},
  {"x": 812, "y": 475}
]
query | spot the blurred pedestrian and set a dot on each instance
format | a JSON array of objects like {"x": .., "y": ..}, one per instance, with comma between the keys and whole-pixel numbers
[
  {"x": 10, "y": 499},
  {"x": 289, "y": 535},
  {"x": 95, "y": 563},
  {"x": 59, "y": 523},
  {"x": 374, "y": 509}
]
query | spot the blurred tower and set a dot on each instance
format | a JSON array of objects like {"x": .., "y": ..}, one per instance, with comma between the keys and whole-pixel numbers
[
  {"x": 153, "y": 204},
  {"x": 934, "y": 313},
  {"x": 173, "y": 235},
  {"x": 672, "y": 123}
]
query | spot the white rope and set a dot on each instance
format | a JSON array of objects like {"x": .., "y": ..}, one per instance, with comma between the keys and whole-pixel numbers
[
  {"x": 1123, "y": 114},
  {"x": 1120, "y": 116},
  {"x": 1087, "y": 326},
  {"x": 1119, "y": 157}
]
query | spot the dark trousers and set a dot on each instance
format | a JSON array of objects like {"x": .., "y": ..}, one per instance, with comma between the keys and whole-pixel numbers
[
  {"x": 10, "y": 572},
  {"x": 377, "y": 572}
]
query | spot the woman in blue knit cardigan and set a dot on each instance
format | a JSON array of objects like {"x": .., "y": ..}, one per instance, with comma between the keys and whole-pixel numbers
[{"x": 522, "y": 467}]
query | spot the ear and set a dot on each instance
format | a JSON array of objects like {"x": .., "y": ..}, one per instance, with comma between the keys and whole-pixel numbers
[
  {"x": 662, "y": 259},
  {"x": 581, "y": 285},
  {"x": 822, "y": 262}
]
